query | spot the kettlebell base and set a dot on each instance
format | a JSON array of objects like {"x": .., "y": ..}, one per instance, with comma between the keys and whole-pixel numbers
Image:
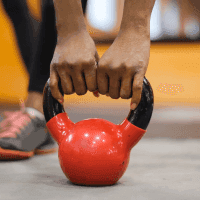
[{"x": 94, "y": 184}]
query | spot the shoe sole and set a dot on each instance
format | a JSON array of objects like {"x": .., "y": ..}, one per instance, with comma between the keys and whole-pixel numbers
[{"x": 6, "y": 154}]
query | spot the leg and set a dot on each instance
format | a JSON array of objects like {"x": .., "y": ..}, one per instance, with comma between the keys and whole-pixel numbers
[
  {"x": 36, "y": 42},
  {"x": 25, "y": 27},
  {"x": 26, "y": 132},
  {"x": 84, "y": 5},
  {"x": 43, "y": 52}
]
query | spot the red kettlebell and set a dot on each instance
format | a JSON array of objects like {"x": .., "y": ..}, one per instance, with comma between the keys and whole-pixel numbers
[{"x": 96, "y": 151}]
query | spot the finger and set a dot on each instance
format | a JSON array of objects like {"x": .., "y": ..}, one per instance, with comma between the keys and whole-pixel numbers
[
  {"x": 126, "y": 86},
  {"x": 91, "y": 78},
  {"x": 66, "y": 82},
  {"x": 79, "y": 83},
  {"x": 102, "y": 82},
  {"x": 54, "y": 79},
  {"x": 114, "y": 87},
  {"x": 136, "y": 90}
]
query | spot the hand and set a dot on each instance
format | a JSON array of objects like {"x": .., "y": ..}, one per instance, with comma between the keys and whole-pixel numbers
[
  {"x": 74, "y": 63},
  {"x": 121, "y": 69}
]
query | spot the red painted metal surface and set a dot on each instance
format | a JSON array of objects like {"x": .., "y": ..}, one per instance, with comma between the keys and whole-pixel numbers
[{"x": 93, "y": 151}]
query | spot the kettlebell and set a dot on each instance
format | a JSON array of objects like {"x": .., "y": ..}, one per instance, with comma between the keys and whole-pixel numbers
[{"x": 96, "y": 151}]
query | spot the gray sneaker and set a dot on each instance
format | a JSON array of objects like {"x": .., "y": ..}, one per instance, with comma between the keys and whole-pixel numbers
[{"x": 22, "y": 136}]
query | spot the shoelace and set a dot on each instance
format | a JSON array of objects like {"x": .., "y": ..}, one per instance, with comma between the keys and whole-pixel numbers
[{"x": 13, "y": 123}]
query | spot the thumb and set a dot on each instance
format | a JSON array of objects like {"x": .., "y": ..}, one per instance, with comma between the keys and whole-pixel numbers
[
  {"x": 97, "y": 57},
  {"x": 96, "y": 93},
  {"x": 136, "y": 91}
]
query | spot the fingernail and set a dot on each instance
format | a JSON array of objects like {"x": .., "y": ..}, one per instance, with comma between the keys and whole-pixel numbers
[
  {"x": 133, "y": 106},
  {"x": 61, "y": 100},
  {"x": 96, "y": 94}
]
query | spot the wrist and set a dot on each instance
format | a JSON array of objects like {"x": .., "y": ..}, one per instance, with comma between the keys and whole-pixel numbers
[
  {"x": 136, "y": 16},
  {"x": 66, "y": 35},
  {"x": 135, "y": 33},
  {"x": 68, "y": 28},
  {"x": 140, "y": 25}
]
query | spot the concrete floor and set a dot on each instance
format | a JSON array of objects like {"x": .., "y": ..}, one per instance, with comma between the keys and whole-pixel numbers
[
  {"x": 166, "y": 169},
  {"x": 164, "y": 165}
]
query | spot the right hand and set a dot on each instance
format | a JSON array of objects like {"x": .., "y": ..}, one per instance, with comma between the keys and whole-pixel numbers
[{"x": 75, "y": 64}]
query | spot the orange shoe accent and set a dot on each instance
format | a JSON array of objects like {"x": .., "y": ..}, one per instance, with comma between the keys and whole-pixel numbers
[
  {"x": 45, "y": 151},
  {"x": 6, "y": 154}
]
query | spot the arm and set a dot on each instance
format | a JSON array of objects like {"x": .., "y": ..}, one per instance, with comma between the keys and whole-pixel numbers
[
  {"x": 75, "y": 56},
  {"x": 136, "y": 15},
  {"x": 125, "y": 63},
  {"x": 69, "y": 17},
  {"x": 196, "y": 4}
]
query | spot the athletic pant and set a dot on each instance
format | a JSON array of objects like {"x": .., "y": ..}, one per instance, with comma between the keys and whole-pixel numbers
[{"x": 36, "y": 40}]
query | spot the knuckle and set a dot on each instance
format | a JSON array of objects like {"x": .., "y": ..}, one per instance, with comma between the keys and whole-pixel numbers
[
  {"x": 62, "y": 74},
  {"x": 82, "y": 62},
  {"x": 141, "y": 63},
  {"x": 70, "y": 64},
  {"x": 59, "y": 66},
  {"x": 53, "y": 68},
  {"x": 122, "y": 68},
  {"x": 53, "y": 65},
  {"x": 89, "y": 61},
  {"x": 52, "y": 85},
  {"x": 117, "y": 68},
  {"x": 103, "y": 64},
  {"x": 112, "y": 69},
  {"x": 130, "y": 69},
  {"x": 73, "y": 64},
  {"x": 137, "y": 87}
]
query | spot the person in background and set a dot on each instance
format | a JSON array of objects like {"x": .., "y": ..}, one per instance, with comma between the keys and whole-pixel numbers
[{"x": 23, "y": 133}]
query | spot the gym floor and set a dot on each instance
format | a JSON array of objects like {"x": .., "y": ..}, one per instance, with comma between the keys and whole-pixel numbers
[{"x": 160, "y": 167}]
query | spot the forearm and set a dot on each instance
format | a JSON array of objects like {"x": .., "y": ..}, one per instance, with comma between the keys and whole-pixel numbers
[
  {"x": 196, "y": 4},
  {"x": 136, "y": 15},
  {"x": 69, "y": 17}
]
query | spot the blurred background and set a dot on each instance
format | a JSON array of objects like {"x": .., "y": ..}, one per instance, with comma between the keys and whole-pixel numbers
[{"x": 173, "y": 71}]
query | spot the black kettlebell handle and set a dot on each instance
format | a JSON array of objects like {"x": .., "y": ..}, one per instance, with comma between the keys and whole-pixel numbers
[{"x": 139, "y": 117}]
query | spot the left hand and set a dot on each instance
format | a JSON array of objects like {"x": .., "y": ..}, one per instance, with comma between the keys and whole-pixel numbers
[{"x": 122, "y": 68}]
